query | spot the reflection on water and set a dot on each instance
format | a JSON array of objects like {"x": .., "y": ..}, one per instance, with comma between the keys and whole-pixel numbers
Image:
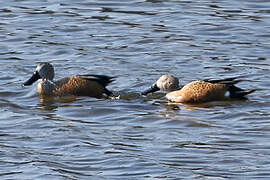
[{"x": 133, "y": 136}]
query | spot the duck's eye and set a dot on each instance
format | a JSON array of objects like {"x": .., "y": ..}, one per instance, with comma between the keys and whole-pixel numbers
[{"x": 37, "y": 74}]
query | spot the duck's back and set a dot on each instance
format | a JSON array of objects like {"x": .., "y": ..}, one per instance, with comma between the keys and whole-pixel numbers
[
  {"x": 75, "y": 85},
  {"x": 197, "y": 92}
]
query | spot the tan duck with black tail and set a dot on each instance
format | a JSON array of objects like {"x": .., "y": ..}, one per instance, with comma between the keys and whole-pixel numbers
[{"x": 198, "y": 91}]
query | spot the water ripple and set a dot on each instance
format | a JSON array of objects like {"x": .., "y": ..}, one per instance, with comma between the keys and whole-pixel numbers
[{"x": 134, "y": 137}]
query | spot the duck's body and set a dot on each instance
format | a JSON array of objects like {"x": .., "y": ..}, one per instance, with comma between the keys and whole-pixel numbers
[
  {"x": 80, "y": 85},
  {"x": 200, "y": 91},
  {"x": 197, "y": 92}
]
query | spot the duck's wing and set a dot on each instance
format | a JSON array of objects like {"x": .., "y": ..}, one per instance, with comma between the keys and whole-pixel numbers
[
  {"x": 228, "y": 81},
  {"x": 235, "y": 92},
  {"x": 101, "y": 79}
]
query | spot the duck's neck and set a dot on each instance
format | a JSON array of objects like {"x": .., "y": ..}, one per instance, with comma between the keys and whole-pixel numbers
[{"x": 180, "y": 87}]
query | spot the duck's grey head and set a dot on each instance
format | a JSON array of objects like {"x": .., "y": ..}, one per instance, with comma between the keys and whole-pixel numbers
[
  {"x": 43, "y": 71},
  {"x": 166, "y": 82}
]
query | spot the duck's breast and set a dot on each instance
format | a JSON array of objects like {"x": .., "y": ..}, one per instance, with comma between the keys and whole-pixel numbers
[{"x": 45, "y": 87}]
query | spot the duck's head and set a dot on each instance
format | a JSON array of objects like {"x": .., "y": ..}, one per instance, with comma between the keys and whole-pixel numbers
[
  {"x": 43, "y": 71},
  {"x": 166, "y": 82}
]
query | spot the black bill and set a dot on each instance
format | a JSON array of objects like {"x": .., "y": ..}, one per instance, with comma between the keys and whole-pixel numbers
[
  {"x": 32, "y": 79},
  {"x": 152, "y": 89}
]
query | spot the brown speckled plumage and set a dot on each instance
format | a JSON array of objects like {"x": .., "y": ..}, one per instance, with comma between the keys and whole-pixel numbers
[
  {"x": 197, "y": 92},
  {"x": 78, "y": 86}
]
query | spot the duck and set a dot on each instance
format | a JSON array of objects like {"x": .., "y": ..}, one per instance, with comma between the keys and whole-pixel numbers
[
  {"x": 199, "y": 91},
  {"x": 78, "y": 85}
]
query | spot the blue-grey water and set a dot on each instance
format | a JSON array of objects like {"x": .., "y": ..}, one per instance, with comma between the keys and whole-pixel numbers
[{"x": 134, "y": 137}]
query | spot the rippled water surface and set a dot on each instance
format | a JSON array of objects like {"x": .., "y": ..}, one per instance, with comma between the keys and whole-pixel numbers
[{"x": 134, "y": 137}]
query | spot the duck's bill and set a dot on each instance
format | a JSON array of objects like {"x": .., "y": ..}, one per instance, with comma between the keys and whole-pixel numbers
[
  {"x": 32, "y": 79},
  {"x": 152, "y": 89}
]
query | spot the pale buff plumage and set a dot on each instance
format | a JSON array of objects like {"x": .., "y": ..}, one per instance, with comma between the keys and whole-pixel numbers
[
  {"x": 198, "y": 91},
  {"x": 81, "y": 85}
]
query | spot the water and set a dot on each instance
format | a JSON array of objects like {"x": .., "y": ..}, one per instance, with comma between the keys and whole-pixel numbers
[{"x": 134, "y": 137}]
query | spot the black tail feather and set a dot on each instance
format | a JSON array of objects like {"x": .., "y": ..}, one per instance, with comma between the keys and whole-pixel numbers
[
  {"x": 107, "y": 92},
  {"x": 236, "y": 92}
]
